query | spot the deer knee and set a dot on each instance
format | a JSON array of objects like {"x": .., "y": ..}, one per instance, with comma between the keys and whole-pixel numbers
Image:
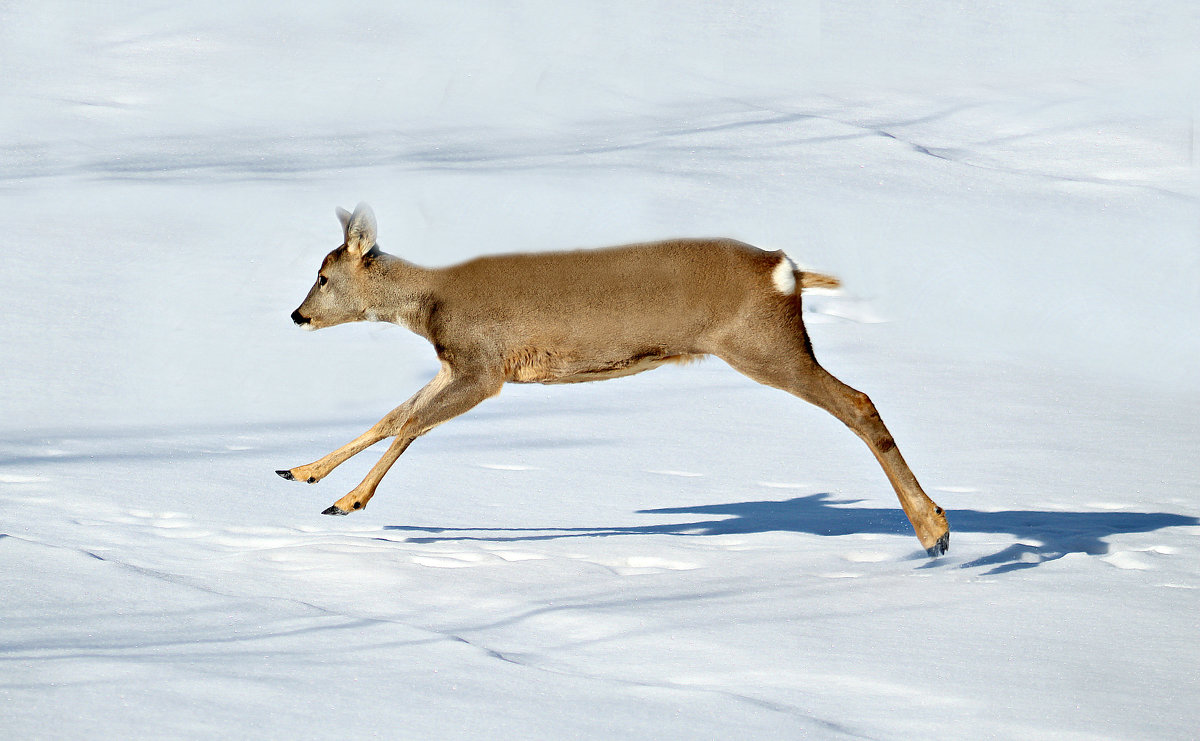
[
  {"x": 869, "y": 423},
  {"x": 862, "y": 410},
  {"x": 861, "y": 403}
]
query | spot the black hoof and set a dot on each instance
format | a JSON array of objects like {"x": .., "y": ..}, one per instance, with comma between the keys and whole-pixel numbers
[
  {"x": 335, "y": 510},
  {"x": 287, "y": 475},
  {"x": 940, "y": 547}
]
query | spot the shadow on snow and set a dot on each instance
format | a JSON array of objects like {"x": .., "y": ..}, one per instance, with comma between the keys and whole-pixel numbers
[{"x": 1041, "y": 535}]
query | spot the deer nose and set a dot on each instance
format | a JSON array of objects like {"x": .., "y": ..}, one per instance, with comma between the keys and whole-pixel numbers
[{"x": 299, "y": 318}]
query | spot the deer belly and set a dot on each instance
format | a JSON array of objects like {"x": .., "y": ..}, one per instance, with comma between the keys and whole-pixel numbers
[{"x": 544, "y": 366}]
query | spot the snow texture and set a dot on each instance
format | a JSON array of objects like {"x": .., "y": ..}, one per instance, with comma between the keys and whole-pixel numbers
[{"x": 1009, "y": 192}]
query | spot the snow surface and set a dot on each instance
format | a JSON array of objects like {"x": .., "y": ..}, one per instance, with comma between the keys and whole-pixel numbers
[{"x": 1009, "y": 192}]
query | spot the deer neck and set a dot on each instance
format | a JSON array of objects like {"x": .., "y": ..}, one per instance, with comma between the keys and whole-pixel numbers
[{"x": 401, "y": 293}]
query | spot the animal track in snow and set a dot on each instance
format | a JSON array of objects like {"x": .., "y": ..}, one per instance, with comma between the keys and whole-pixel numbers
[
  {"x": 682, "y": 474},
  {"x": 507, "y": 467}
]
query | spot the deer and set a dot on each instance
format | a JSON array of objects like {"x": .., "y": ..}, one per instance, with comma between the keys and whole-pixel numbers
[{"x": 587, "y": 315}]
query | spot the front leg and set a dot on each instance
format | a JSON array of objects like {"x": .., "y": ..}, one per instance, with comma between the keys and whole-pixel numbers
[
  {"x": 459, "y": 394},
  {"x": 313, "y": 472},
  {"x": 388, "y": 426}
]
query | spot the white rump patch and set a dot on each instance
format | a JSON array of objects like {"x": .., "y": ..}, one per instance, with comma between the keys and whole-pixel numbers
[{"x": 784, "y": 275}]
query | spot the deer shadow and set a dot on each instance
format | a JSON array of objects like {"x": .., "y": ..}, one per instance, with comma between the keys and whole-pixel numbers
[{"x": 1041, "y": 535}]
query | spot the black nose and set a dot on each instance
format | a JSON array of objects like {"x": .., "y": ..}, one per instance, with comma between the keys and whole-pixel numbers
[{"x": 299, "y": 318}]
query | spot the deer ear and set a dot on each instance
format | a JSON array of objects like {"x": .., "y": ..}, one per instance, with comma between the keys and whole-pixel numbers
[
  {"x": 344, "y": 217},
  {"x": 360, "y": 230}
]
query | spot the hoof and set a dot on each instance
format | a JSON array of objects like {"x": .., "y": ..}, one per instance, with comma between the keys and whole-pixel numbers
[
  {"x": 940, "y": 547},
  {"x": 287, "y": 475},
  {"x": 335, "y": 510}
]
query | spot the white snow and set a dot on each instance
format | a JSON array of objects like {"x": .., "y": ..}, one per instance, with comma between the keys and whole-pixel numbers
[{"x": 1008, "y": 191}]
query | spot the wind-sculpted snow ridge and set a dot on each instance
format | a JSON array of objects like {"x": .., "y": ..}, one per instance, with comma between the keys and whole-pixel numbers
[
  {"x": 672, "y": 590},
  {"x": 1037, "y": 138}
]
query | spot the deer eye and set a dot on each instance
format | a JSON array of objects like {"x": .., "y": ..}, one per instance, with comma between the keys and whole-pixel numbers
[{"x": 322, "y": 280}]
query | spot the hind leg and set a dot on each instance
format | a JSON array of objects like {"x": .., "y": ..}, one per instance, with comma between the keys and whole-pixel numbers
[{"x": 786, "y": 362}]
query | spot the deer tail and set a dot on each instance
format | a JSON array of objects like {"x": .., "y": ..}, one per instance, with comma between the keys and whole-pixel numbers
[{"x": 808, "y": 280}]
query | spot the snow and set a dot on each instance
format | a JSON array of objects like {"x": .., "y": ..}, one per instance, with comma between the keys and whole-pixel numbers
[{"x": 1008, "y": 191}]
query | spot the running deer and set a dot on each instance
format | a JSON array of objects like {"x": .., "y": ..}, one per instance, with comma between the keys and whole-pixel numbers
[{"x": 565, "y": 317}]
